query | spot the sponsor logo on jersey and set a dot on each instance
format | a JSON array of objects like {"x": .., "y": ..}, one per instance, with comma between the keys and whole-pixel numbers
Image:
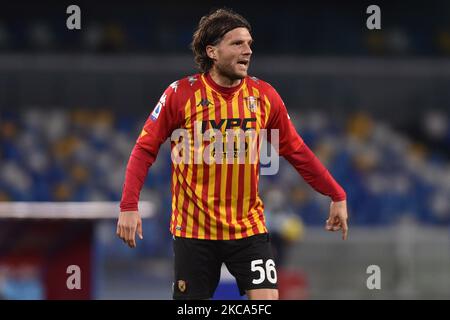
[
  {"x": 255, "y": 79},
  {"x": 157, "y": 110},
  {"x": 174, "y": 86},
  {"x": 204, "y": 103},
  {"x": 192, "y": 80}
]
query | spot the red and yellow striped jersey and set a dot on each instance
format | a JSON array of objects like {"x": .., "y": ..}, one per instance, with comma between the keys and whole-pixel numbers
[{"x": 215, "y": 200}]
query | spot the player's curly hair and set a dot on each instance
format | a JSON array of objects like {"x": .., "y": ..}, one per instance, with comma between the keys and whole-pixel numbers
[{"x": 210, "y": 31}]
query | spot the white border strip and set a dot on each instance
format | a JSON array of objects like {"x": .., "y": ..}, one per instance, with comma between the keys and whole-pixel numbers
[{"x": 68, "y": 210}]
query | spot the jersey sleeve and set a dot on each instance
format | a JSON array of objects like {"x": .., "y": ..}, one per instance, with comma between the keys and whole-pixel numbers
[
  {"x": 289, "y": 139},
  {"x": 164, "y": 118},
  {"x": 315, "y": 173},
  {"x": 294, "y": 150}
]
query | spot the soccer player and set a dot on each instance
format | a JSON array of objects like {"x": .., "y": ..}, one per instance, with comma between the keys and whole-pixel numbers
[{"x": 217, "y": 214}]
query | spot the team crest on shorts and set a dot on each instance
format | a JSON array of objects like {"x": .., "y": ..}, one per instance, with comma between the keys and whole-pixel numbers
[
  {"x": 181, "y": 285},
  {"x": 252, "y": 103}
]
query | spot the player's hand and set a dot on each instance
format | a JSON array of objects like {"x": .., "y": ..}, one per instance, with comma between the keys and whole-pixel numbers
[
  {"x": 338, "y": 218},
  {"x": 129, "y": 222}
]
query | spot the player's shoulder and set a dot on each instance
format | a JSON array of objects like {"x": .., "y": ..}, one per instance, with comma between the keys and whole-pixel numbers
[
  {"x": 261, "y": 85},
  {"x": 182, "y": 89},
  {"x": 186, "y": 84},
  {"x": 266, "y": 89}
]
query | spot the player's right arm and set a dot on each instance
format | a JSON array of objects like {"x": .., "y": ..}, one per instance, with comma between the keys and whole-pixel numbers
[{"x": 162, "y": 121}]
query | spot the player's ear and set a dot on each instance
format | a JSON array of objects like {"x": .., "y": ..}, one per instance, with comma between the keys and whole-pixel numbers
[{"x": 211, "y": 52}]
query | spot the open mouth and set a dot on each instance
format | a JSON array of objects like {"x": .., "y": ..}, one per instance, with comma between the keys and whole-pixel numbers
[{"x": 243, "y": 62}]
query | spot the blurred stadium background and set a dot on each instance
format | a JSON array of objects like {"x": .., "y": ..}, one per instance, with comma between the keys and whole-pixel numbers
[{"x": 373, "y": 105}]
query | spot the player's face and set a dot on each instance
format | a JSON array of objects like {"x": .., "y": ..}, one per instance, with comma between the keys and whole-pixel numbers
[{"x": 232, "y": 54}]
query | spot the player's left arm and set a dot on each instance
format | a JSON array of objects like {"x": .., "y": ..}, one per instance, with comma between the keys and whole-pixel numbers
[{"x": 292, "y": 147}]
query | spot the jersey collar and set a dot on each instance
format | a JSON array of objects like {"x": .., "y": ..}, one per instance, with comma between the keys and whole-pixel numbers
[{"x": 222, "y": 90}]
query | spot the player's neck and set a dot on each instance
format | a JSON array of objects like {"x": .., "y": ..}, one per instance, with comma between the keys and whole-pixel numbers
[{"x": 222, "y": 80}]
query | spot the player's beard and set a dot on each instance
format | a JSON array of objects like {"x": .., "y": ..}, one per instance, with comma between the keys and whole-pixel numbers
[{"x": 227, "y": 70}]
